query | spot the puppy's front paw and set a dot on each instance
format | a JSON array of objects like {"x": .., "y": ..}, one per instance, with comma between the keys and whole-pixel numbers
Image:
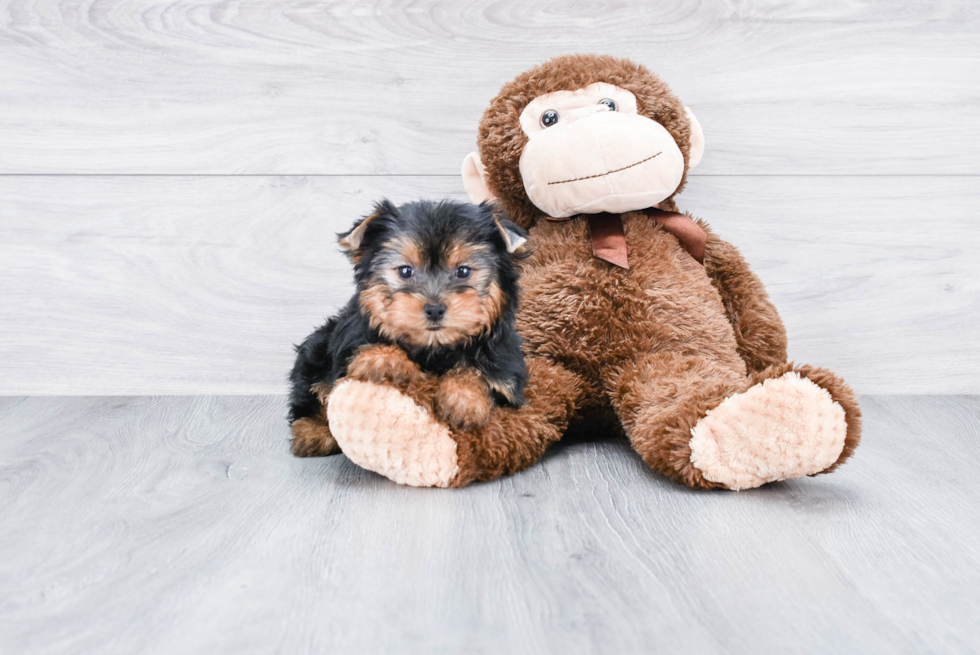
[
  {"x": 463, "y": 401},
  {"x": 379, "y": 364}
]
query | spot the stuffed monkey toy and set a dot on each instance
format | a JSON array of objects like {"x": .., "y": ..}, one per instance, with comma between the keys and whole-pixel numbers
[{"x": 632, "y": 313}]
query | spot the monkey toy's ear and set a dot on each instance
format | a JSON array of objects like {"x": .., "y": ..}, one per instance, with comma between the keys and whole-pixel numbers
[
  {"x": 697, "y": 140},
  {"x": 354, "y": 239},
  {"x": 473, "y": 179}
]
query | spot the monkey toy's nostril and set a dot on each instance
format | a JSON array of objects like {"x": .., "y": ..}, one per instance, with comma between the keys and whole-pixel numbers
[{"x": 435, "y": 311}]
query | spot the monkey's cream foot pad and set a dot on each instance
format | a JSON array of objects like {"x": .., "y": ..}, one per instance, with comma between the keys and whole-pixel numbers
[
  {"x": 383, "y": 430},
  {"x": 785, "y": 427}
]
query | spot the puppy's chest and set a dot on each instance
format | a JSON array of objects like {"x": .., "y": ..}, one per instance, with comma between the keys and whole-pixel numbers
[{"x": 438, "y": 362}]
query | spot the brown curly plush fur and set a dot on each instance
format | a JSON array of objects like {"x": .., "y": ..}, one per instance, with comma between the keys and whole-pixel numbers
[
  {"x": 758, "y": 329},
  {"x": 659, "y": 344}
]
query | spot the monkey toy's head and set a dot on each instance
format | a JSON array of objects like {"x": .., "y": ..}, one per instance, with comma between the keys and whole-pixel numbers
[{"x": 582, "y": 134}]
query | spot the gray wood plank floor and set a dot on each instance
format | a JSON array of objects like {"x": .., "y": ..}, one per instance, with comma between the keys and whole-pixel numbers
[{"x": 182, "y": 525}]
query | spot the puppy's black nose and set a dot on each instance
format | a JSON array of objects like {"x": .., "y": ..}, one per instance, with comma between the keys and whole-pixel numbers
[{"x": 435, "y": 311}]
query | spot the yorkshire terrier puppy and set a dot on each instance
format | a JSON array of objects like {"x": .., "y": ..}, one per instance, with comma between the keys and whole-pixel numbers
[{"x": 437, "y": 291}]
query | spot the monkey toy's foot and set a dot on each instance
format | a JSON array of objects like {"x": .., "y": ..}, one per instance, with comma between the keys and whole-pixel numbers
[
  {"x": 384, "y": 430},
  {"x": 801, "y": 423}
]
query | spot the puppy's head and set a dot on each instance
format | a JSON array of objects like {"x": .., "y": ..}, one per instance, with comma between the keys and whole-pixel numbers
[{"x": 434, "y": 274}]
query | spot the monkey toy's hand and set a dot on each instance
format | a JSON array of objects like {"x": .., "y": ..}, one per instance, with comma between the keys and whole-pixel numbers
[
  {"x": 393, "y": 431},
  {"x": 383, "y": 411},
  {"x": 463, "y": 400}
]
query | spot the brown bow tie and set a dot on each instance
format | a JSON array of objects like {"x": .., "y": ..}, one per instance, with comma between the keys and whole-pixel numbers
[{"x": 609, "y": 239}]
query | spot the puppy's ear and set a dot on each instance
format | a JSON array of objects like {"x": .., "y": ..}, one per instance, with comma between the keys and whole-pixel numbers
[
  {"x": 514, "y": 236},
  {"x": 355, "y": 239}
]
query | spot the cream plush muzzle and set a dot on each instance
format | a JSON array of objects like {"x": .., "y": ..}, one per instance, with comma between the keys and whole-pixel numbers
[{"x": 604, "y": 162}]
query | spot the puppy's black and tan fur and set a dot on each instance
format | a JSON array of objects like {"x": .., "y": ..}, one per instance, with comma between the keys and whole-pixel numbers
[{"x": 437, "y": 289}]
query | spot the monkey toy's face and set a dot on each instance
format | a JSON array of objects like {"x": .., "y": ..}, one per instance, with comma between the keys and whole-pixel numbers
[
  {"x": 589, "y": 151},
  {"x": 601, "y": 147}
]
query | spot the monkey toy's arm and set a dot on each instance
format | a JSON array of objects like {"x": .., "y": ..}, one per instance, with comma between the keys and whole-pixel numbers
[{"x": 759, "y": 331}]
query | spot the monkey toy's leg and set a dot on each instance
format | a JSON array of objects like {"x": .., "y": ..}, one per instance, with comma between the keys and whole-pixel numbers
[
  {"x": 704, "y": 426},
  {"x": 395, "y": 432}
]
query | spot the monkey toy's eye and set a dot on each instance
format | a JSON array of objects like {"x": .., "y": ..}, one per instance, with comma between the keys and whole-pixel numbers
[
  {"x": 549, "y": 118},
  {"x": 463, "y": 272},
  {"x": 609, "y": 103},
  {"x": 405, "y": 272}
]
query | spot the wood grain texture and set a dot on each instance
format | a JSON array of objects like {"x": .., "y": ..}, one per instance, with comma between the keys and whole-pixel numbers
[
  {"x": 186, "y": 285},
  {"x": 182, "y": 525},
  {"x": 218, "y": 87}
]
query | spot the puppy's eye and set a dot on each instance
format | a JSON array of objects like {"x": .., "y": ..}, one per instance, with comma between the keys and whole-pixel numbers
[
  {"x": 463, "y": 272},
  {"x": 549, "y": 118},
  {"x": 609, "y": 103},
  {"x": 405, "y": 272}
]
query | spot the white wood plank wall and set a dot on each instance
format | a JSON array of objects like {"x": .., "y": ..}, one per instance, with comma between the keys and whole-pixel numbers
[{"x": 172, "y": 173}]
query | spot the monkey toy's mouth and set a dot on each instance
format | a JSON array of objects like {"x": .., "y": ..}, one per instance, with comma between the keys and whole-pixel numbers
[{"x": 616, "y": 170}]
